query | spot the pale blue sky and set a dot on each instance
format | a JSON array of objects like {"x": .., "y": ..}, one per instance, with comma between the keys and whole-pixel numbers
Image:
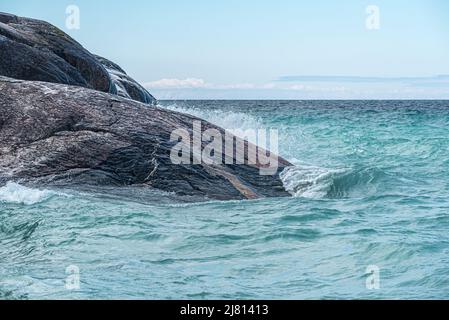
[{"x": 239, "y": 49}]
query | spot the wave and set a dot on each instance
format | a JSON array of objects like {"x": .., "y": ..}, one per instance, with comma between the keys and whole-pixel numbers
[
  {"x": 301, "y": 180},
  {"x": 315, "y": 182},
  {"x": 309, "y": 181},
  {"x": 15, "y": 193}
]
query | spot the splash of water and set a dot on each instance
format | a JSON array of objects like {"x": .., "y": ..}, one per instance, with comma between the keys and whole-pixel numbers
[
  {"x": 15, "y": 193},
  {"x": 309, "y": 181},
  {"x": 228, "y": 120}
]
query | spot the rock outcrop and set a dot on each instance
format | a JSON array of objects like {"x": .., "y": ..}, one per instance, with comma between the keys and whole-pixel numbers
[
  {"x": 68, "y": 117},
  {"x": 36, "y": 50},
  {"x": 60, "y": 134}
]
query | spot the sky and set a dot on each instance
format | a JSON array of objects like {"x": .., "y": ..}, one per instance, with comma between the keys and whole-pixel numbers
[{"x": 256, "y": 49}]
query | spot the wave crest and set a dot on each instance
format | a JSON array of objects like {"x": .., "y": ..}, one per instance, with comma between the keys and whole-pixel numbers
[
  {"x": 15, "y": 193},
  {"x": 309, "y": 181},
  {"x": 315, "y": 182}
]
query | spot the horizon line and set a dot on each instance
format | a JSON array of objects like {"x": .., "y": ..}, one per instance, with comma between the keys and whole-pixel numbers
[{"x": 339, "y": 78}]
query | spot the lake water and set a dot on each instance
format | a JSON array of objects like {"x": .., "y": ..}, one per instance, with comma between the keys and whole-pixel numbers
[{"x": 370, "y": 200}]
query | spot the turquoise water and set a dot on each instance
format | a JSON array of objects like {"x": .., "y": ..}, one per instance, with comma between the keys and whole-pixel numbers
[{"x": 370, "y": 187}]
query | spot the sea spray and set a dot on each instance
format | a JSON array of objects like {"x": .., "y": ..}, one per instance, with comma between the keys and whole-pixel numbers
[{"x": 228, "y": 120}]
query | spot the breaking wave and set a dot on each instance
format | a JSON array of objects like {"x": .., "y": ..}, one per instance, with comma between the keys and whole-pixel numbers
[
  {"x": 309, "y": 181},
  {"x": 315, "y": 182},
  {"x": 301, "y": 180},
  {"x": 15, "y": 193}
]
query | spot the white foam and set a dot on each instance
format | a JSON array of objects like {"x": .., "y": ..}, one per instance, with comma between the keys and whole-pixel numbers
[
  {"x": 309, "y": 181},
  {"x": 227, "y": 120},
  {"x": 15, "y": 193}
]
